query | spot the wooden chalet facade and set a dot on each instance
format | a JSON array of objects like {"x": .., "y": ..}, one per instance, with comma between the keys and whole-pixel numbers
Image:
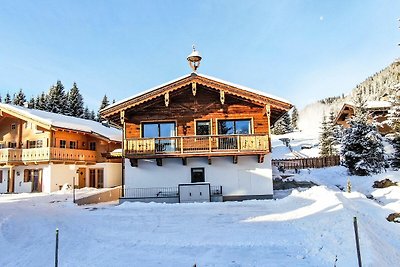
[
  {"x": 378, "y": 111},
  {"x": 41, "y": 151},
  {"x": 197, "y": 129}
]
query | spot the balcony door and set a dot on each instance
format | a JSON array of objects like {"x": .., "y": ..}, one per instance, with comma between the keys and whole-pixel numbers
[
  {"x": 232, "y": 127},
  {"x": 161, "y": 131}
]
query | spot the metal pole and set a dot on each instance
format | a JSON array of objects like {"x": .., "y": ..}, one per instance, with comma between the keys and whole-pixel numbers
[
  {"x": 123, "y": 159},
  {"x": 73, "y": 189},
  {"x": 56, "y": 256},
  {"x": 357, "y": 241}
]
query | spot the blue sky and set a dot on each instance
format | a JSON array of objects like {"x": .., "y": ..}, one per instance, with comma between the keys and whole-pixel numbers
[{"x": 299, "y": 50}]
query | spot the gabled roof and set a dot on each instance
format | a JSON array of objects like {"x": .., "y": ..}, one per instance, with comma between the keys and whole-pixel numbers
[
  {"x": 371, "y": 106},
  {"x": 228, "y": 87},
  {"x": 50, "y": 120}
]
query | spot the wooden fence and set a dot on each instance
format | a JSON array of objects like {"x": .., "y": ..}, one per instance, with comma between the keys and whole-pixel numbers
[{"x": 305, "y": 163}]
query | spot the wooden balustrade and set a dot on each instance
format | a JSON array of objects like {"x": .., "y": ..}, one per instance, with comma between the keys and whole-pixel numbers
[
  {"x": 46, "y": 154},
  {"x": 197, "y": 144}
]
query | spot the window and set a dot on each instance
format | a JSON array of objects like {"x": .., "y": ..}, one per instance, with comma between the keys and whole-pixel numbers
[
  {"x": 63, "y": 144},
  {"x": 27, "y": 176},
  {"x": 161, "y": 129},
  {"x": 72, "y": 144},
  {"x": 234, "y": 126},
  {"x": 100, "y": 178},
  {"x": 92, "y": 146},
  {"x": 198, "y": 175},
  {"x": 32, "y": 144},
  {"x": 12, "y": 144},
  {"x": 13, "y": 126},
  {"x": 203, "y": 128},
  {"x": 39, "y": 143},
  {"x": 1, "y": 146},
  {"x": 96, "y": 178}
]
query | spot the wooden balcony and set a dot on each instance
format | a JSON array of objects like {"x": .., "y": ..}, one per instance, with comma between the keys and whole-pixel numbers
[
  {"x": 191, "y": 146},
  {"x": 45, "y": 154}
]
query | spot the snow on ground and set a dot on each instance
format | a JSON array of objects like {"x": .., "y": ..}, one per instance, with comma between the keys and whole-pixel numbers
[
  {"x": 307, "y": 227},
  {"x": 297, "y": 141}
]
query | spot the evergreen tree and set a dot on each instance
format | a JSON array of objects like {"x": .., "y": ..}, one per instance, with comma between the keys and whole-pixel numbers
[
  {"x": 41, "y": 101},
  {"x": 283, "y": 125},
  {"x": 7, "y": 99},
  {"x": 92, "y": 116},
  {"x": 394, "y": 122},
  {"x": 362, "y": 149},
  {"x": 86, "y": 113},
  {"x": 0, "y": 99},
  {"x": 75, "y": 102},
  {"x": 295, "y": 118},
  {"x": 104, "y": 103},
  {"x": 32, "y": 103},
  {"x": 56, "y": 101},
  {"x": 19, "y": 98},
  {"x": 327, "y": 139}
]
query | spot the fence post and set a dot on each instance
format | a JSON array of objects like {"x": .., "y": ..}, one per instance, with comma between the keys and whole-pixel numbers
[
  {"x": 56, "y": 254},
  {"x": 357, "y": 241}
]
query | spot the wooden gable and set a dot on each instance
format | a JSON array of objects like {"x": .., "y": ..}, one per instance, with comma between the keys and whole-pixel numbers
[{"x": 166, "y": 93}]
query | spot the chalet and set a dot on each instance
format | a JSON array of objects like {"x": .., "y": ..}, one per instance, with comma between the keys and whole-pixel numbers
[
  {"x": 41, "y": 151},
  {"x": 197, "y": 138},
  {"x": 378, "y": 111}
]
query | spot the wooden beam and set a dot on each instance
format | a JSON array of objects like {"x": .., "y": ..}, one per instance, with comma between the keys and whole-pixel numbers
[
  {"x": 260, "y": 158},
  {"x": 184, "y": 161},
  {"x": 235, "y": 159},
  {"x": 159, "y": 161},
  {"x": 166, "y": 99},
  {"x": 194, "y": 88},
  {"x": 222, "y": 96},
  {"x": 209, "y": 161},
  {"x": 134, "y": 162}
]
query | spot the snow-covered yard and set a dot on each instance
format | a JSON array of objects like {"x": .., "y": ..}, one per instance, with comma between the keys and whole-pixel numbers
[
  {"x": 310, "y": 227},
  {"x": 307, "y": 228}
]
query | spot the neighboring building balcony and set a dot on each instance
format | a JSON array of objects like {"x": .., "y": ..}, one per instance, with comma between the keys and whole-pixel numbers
[
  {"x": 192, "y": 146},
  {"x": 45, "y": 154}
]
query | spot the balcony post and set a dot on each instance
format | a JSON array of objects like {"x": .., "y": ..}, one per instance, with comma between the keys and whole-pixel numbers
[
  {"x": 181, "y": 144},
  {"x": 238, "y": 142},
  {"x": 209, "y": 143}
]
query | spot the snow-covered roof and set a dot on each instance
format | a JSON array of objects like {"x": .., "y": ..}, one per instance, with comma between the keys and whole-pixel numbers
[
  {"x": 204, "y": 76},
  {"x": 374, "y": 104},
  {"x": 65, "y": 122}
]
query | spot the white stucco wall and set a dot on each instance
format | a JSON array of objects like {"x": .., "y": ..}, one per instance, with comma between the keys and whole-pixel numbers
[
  {"x": 4, "y": 180},
  {"x": 56, "y": 175},
  {"x": 247, "y": 177},
  {"x": 112, "y": 173}
]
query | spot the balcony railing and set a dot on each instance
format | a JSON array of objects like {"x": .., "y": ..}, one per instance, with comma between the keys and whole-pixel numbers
[
  {"x": 163, "y": 192},
  {"x": 197, "y": 144},
  {"x": 9, "y": 155}
]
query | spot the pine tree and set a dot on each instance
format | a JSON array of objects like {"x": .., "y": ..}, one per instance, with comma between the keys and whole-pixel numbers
[
  {"x": 75, "y": 102},
  {"x": 327, "y": 137},
  {"x": 32, "y": 103},
  {"x": 283, "y": 125},
  {"x": 41, "y": 101},
  {"x": 295, "y": 118},
  {"x": 93, "y": 116},
  {"x": 394, "y": 122},
  {"x": 362, "y": 149},
  {"x": 7, "y": 99},
  {"x": 86, "y": 113},
  {"x": 323, "y": 138},
  {"x": 19, "y": 98},
  {"x": 0, "y": 99},
  {"x": 104, "y": 103},
  {"x": 56, "y": 101}
]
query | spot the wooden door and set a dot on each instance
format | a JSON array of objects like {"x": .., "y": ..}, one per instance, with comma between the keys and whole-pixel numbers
[
  {"x": 11, "y": 175},
  {"x": 82, "y": 177},
  {"x": 37, "y": 181}
]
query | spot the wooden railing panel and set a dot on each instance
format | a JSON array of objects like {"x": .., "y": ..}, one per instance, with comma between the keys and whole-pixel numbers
[
  {"x": 46, "y": 154},
  {"x": 197, "y": 144}
]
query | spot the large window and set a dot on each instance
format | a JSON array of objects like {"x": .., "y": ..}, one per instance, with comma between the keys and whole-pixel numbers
[
  {"x": 203, "y": 128},
  {"x": 92, "y": 146},
  {"x": 158, "y": 129},
  {"x": 234, "y": 126},
  {"x": 72, "y": 144}
]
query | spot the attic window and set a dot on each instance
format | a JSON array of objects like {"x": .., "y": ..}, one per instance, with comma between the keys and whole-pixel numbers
[{"x": 13, "y": 126}]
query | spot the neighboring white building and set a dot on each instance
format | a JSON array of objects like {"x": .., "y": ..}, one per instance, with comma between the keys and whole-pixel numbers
[
  {"x": 193, "y": 132},
  {"x": 41, "y": 151}
]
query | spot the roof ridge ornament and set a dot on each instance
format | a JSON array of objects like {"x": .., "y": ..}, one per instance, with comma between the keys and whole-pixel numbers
[{"x": 194, "y": 59}]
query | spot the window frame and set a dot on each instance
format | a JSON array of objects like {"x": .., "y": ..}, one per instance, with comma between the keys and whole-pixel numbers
[
  {"x": 235, "y": 119},
  {"x": 202, "y": 120},
  {"x": 142, "y": 123},
  {"x": 63, "y": 143}
]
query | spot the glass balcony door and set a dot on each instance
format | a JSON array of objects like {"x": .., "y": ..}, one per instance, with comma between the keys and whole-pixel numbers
[
  {"x": 232, "y": 127},
  {"x": 161, "y": 130}
]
